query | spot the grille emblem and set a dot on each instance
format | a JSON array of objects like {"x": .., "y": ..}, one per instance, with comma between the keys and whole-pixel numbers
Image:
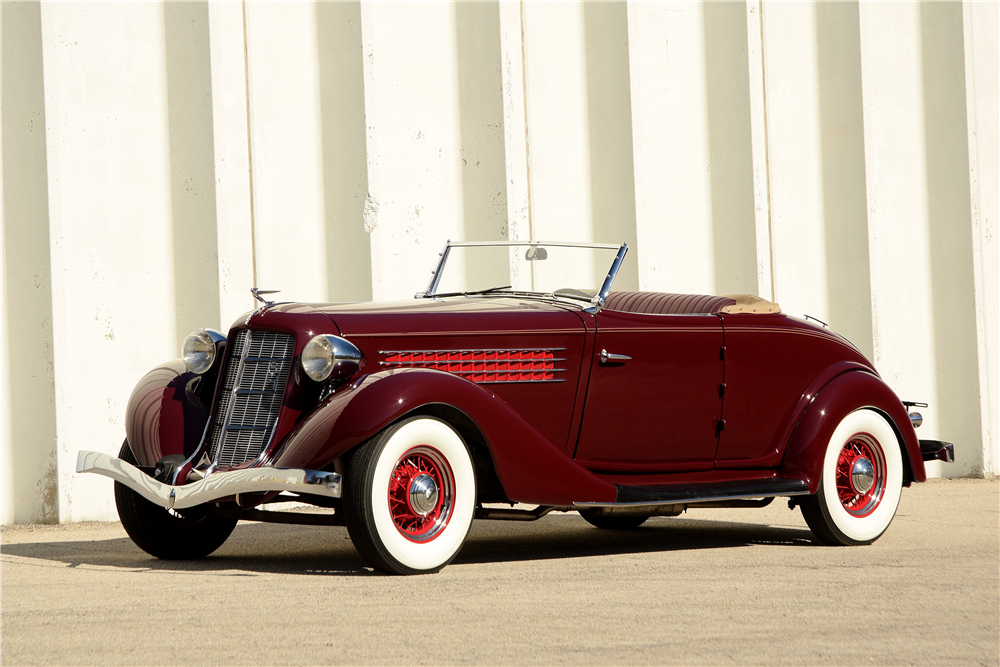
[{"x": 273, "y": 369}]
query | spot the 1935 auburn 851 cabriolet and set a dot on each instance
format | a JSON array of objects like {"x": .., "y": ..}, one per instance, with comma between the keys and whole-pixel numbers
[{"x": 517, "y": 376}]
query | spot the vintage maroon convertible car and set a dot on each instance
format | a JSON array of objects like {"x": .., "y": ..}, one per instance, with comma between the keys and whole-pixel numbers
[{"x": 518, "y": 376}]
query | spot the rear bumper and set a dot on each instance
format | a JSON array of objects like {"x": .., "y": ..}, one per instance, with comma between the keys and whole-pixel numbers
[
  {"x": 937, "y": 450},
  {"x": 215, "y": 486}
]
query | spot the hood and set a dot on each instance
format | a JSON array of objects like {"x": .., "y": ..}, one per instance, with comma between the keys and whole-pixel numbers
[{"x": 453, "y": 315}]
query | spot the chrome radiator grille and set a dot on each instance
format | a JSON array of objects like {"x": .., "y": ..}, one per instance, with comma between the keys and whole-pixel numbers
[{"x": 252, "y": 388}]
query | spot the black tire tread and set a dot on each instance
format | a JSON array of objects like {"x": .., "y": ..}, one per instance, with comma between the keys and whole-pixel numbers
[
  {"x": 357, "y": 507},
  {"x": 158, "y": 533},
  {"x": 817, "y": 516}
]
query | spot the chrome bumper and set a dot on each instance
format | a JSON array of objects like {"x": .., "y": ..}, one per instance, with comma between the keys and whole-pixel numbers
[
  {"x": 936, "y": 450},
  {"x": 215, "y": 486}
]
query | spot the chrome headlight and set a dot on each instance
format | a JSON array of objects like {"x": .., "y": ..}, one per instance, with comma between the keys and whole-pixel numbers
[
  {"x": 199, "y": 349},
  {"x": 330, "y": 357}
]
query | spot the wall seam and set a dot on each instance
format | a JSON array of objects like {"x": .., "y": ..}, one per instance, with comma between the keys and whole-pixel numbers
[
  {"x": 246, "y": 80},
  {"x": 527, "y": 144},
  {"x": 767, "y": 152}
]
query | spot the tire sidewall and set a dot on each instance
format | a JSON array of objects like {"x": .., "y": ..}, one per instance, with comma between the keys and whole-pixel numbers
[
  {"x": 863, "y": 530},
  {"x": 437, "y": 552}
]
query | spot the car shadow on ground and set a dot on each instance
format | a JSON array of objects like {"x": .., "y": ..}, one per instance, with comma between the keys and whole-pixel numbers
[
  {"x": 571, "y": 537},
  {"x": 256, "y": 548}
]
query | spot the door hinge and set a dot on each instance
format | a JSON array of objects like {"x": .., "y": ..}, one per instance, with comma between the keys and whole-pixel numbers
[
  {"x": 720, "y": 426},
  {"x": 722, "y": 389},
  {"x": 722, "y": 353}
]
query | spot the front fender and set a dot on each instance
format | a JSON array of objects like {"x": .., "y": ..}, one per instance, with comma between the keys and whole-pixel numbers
[
  {"x": 530, "y": 468},
  {"x": 840, "y": 396},
  {"x": 165, "y": 415}
]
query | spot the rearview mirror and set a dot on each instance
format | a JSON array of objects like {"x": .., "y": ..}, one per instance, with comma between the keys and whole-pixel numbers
[{"x": 535, "y": 253}]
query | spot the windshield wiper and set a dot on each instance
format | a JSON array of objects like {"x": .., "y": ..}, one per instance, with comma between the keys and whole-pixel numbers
[{"x": 473, "y": 293}]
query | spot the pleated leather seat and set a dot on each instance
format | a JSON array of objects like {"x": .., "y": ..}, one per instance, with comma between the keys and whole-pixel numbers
[{"x": 660, "y": 303}]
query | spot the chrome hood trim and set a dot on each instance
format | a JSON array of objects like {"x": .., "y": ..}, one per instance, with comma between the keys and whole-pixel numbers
[{"x": 215, "y": 486}]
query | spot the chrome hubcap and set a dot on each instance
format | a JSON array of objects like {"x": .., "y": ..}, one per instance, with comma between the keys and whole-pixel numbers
[
  {"x": 423, "y": 494},
  {"x": 862, "y": 475}
]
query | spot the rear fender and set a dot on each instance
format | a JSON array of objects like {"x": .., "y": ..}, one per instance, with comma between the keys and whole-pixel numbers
[
  {"x": 168, "y": 412},
  {"x": 530, "y": 468},
  {"x": 839, "y": 397}
]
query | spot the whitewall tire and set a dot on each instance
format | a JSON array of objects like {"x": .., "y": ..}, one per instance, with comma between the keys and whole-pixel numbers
[
  {"x": 860, "y": 484},
  {"x": 410, "y": 497}
]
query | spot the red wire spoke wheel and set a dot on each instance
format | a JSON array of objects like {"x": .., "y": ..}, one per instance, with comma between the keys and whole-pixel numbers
[
  {"x": 860, "y": 475},
  {"x": 421, "y": 492},
  {"x": 860, "y": 484},
  {"x": 410, "y": 496}
]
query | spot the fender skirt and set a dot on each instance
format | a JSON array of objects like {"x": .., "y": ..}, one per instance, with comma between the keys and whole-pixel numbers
[
  {"x": 840, "y": 396},
  {"x": 531, "y": 469}
]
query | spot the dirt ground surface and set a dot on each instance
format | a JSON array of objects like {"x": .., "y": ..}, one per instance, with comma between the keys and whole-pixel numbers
[{"x": 713, "y": 586}]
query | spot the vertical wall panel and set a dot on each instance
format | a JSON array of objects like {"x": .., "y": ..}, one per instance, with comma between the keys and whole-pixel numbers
[
  {"x": 981, "y": 24},
  {"x": 796, "y": 170},
  {"x": 232, "y": 161},
  {"x": 112, "y": 226},
  {"x": 287, "y": 150},
  {"x": 730, "y": 147},
  {"x": 30, "y": 478},
  {"x": 345, "y": 170},
  {"x": 922, "y": 328},
  {"x": 515, "y": 133},
  {"x": 671, "y": 147},
  {"x": 609, "y": 125},
  {"x": 481, "y": 121},
  {"x": 842, "y": 147},
  {"x": 192, "y": 165},
  {"x": 758, "y": 135},
  {"x": 556, "y": 99},
  {"x": 414, "y": 141},
  {"x": 950, "y": 231}
]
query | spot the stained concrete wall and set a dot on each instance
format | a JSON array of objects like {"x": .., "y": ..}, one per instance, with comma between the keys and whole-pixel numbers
[{"x": 158, "y": 159}]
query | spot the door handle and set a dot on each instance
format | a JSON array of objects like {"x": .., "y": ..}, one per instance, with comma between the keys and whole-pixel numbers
[{"x": 608, "y": 356}]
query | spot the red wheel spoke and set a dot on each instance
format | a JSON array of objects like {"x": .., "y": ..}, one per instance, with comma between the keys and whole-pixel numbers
[
  {"x": 861, "y": 452},
  {"x": 423, "y": 465}
]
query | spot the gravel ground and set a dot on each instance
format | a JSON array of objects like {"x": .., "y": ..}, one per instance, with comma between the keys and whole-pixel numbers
[{"x": 713, "y": 586}]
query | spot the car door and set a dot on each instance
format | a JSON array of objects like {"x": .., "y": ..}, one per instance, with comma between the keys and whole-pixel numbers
[{"x": 654, "y": 398}]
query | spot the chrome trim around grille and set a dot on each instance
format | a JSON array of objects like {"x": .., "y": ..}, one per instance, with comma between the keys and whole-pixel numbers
[
  {"x": 213, "y": 487},
  {"x": 253, "y": 386}
]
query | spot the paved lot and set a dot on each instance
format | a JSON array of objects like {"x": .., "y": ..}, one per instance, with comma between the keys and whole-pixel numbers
[{"x": 710, "y": 587}]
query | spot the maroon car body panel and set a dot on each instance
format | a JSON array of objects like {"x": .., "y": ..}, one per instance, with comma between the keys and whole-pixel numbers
[
  {"x": 778, "y": 384},
  {"x": 163, "y": 416},
  {"x": 658, "y": 411},
  {"x": 771, "y": 362},
  {"x": 531, "y": 469},
  {"x": 469, "y": 324}
]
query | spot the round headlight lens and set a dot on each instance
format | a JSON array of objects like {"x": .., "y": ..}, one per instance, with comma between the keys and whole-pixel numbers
[
  {"x": 327, "y": 356},
  {"x": 317, "y": 358},
  {"x": 199, "y": 351}
]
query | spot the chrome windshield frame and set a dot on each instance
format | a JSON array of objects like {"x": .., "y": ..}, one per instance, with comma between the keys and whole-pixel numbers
[{"x": 597, "y": 302}]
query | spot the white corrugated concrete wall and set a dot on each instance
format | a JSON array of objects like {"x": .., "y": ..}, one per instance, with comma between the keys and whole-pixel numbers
[{"x": 158, "y": 159}]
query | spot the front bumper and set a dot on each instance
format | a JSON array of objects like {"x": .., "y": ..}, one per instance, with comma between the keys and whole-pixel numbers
[{"x": 215, "y": 486}]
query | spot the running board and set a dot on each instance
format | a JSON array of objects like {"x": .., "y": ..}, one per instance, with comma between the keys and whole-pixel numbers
[{"x": 675, "y": 494}]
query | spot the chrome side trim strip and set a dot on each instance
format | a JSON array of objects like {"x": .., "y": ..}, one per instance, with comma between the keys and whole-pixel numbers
[{"x": 212, "y": 487}]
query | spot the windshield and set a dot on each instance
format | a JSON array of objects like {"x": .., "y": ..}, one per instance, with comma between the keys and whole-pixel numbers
[{"x": 570, "y": 270}]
